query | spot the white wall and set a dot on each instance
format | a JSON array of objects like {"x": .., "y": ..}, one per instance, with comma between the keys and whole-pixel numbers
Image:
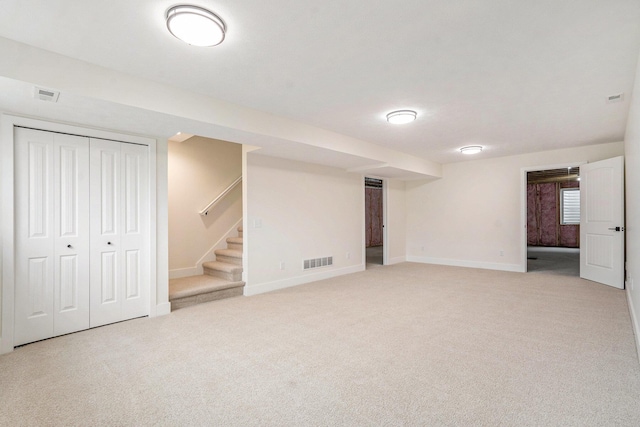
[
  {"x": 632, "y": 177},
  {"x": 199, "y": 170},
  {"x": 396, "y": 222},
  {"x": 297, "y": 211},
  {"x": 474, "y": 211}
]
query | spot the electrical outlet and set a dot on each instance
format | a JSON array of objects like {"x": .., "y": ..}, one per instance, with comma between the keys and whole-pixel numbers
[
  {"x": 501, "y": 252},
  {"x": 281, "y": 265},
  {"x": 348, "y": 255},
  {"x": 257, "y": 223},
  {"x": 422, "y": 248}
]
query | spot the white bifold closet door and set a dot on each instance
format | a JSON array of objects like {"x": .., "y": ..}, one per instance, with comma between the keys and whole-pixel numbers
[
  {"x": 82, "y": 233},
  {"x": 52, "y": 235},
  {"x": 119, "y": 231}
]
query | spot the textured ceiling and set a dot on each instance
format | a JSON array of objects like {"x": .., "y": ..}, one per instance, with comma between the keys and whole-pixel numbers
[{"x": 512, "y": 76}]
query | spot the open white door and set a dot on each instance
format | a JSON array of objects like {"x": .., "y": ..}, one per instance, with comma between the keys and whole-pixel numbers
[{"x": 602, "y": 222}]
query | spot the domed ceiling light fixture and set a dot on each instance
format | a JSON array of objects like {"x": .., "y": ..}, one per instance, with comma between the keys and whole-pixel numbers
[
  {"x": 471, "y": 149},
  {"x": 401, "y": 117},
  {"x": 195, "y": 25}
]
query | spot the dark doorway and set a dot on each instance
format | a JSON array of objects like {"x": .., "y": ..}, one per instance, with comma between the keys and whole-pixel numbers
[
  {"x": 553, "y": 221},
  {"x": 374, "y": 221}
]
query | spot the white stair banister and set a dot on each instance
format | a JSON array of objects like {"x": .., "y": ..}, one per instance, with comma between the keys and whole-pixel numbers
[{"x": 233, "y": 185}]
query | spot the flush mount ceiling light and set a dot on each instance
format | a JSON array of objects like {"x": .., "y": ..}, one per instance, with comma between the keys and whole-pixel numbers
[
  {"x": 471, "y": 149},
  {"x": 401, "y": 116},
  {"x": 195, "y": 25}
]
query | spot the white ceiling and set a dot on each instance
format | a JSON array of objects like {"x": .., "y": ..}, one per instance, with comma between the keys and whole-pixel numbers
[{"x": 512, "y": 76}]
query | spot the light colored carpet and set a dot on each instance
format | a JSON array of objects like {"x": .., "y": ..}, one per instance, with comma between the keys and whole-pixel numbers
[{"x": 400, "y": 345}]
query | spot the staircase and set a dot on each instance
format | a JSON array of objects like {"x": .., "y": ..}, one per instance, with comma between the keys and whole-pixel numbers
[{"x": 222, "y": 278}]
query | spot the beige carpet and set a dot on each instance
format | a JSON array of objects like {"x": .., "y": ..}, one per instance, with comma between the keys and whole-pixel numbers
[{"x": 401, "y": 345}]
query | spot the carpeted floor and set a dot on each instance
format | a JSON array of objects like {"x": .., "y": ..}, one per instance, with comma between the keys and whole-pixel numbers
[{"x": 400, "y": 345}]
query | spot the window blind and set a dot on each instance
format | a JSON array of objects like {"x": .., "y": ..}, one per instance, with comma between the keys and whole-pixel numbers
[{"x": 569, "y": 206}]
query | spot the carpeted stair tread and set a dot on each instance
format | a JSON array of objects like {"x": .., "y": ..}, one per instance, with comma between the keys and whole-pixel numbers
[
  {"x": 231, "y": 253},
  {"x": 195, "y": 285},
  {"x": 222, "y": 266},
  {"x": 240, "y": 229},
  {"x": 234, "y": 240}
]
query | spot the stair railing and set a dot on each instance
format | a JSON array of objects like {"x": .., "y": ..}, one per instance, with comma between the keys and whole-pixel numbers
[{"x": 233, "y": 185}]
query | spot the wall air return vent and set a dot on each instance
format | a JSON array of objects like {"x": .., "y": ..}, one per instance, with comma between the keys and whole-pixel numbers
[
  {"x": 618, "y": 97},
  {"x": 46, "y": 94},
  {"x": 318, "y": 262}
]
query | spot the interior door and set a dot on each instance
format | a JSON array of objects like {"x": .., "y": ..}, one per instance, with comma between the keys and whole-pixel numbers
[
  {"x": 119, "y": 231},
  {"x": 105, "y": 240},
  {"x": 71, "y": 241},
  {"x": 134, "y": 239},
  {"x": 52, "y": 242},
  {"x": 602, "y": 222}
]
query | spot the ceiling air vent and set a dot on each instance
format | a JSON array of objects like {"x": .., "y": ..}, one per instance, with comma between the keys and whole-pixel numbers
[
  {"x": 46, "y": 94},
  {"x": 615, "y": 98}
]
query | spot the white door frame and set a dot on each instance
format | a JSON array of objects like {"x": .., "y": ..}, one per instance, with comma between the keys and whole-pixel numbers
[
  {"x": 7, "y": 221},
  {"x": 523, "y": 204}
]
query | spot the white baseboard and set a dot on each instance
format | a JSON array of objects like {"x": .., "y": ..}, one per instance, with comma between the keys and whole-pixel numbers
[
  {"x": 300, "y": 280},
  {"x": 5, "y": 347},
  {"x": 634, "y": 322},
  {"x": 163, "y": 308},
  {"x": 470, "y": 264},
  {"x": 396, "y": 260},
  {"x": 183, "y": 272}
]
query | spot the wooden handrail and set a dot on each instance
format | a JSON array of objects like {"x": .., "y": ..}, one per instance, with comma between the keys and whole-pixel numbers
[{"x": 206, "y": 210}]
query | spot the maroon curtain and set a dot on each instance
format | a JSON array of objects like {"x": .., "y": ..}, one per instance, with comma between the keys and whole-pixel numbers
[
  {"x": 373, "y": 212},
  {"x": 543, "y": 217}
]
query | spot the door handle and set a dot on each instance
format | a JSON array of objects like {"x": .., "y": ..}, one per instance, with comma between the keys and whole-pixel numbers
[
  {"x": 617, "y": 228},
  {"x": 108, "y": 243},
  {"x": 69, "y": 246}
]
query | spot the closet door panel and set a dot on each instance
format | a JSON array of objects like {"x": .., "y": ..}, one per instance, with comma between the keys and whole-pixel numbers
[
  {"x": 69, "y": 269},
  {"x": 35, "y": 154},
  {"x": 132, "y": 274},
  {"x": 135, "y": 230},
  {"x": 71, "y": 245},
  {"x": 34, "y": 256},
  {"x": 52, "y": 283},
  {"x": 105, "y": 240},
  {"x": 108, "y": 278}
]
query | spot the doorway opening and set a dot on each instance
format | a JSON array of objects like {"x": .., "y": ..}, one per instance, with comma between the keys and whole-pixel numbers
[
  {"x": 374, "y": 221},
  {"x": 553, "y": 221}
]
